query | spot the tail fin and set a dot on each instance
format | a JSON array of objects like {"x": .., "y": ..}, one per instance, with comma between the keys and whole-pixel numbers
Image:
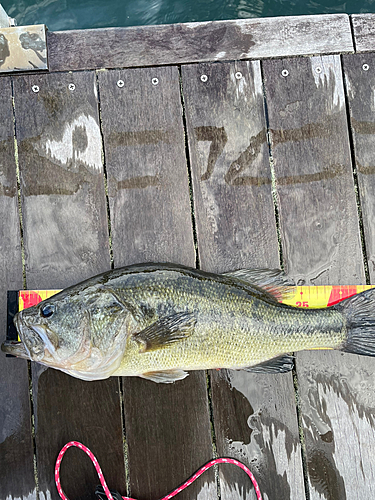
[{"x": 359, "y": 311}]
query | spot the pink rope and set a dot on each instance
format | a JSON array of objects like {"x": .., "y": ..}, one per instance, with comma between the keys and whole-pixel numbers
[{"x": 167, "y": 497}]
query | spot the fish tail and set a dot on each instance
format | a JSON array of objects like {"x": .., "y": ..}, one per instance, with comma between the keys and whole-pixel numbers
[{"x": 359, "y": 312}]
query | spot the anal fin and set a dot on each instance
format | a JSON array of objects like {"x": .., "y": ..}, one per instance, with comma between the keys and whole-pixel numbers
[
  {"x": 165, "y": 376},
  {"x": 281, "y": 364}
]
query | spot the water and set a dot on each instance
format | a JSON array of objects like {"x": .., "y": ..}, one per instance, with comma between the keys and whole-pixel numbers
[{"x": 80, "y": 14}]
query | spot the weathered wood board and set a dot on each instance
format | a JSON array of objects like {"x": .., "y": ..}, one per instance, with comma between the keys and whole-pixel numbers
[
  {"x": 59, "y": 145},
  {"x": 312, "y": 162},
  {"x": 320, "y": 233},
  {"x": 167, "y": 427},
  {"x": 359, "y": 73},
  {"x": 66, "y": 240},
  {"x": 337, "y": 414},
  {"x": 16, "y": 447},
  {"x": 230, "y": 167},
  {"x": 146, "y": 165},
  {"x": 199, "y": 42},
  {"x": 254, "y": 416},
  {"x": 363, "y": 32}
]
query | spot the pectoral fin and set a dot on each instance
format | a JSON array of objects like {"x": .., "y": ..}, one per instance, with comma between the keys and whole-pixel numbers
[
  {"x": 281, "y": 364},
  {"x": 165, "y": 331},
  {"x": 166, "y": 376}
]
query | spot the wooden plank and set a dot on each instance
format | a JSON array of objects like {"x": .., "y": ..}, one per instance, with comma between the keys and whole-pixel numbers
[
  {"x": 363, "y": 32},
  {"x": 360, "y": 84},
  {"x": 310, "y": 147},
  {"x": 337, "y": 407},
  {"x": 236, "y": 228},
  {"x": 16, "y": 447},
  {"x": 230, "y": 166},
  {"x": 167, "y": 426},
  {"x": 321, "y": 244},
  {"x": 66, "y": 240},
  {"x": 60, "y": 165},
  {"x": 199, "y": 42},
  {"x": 146, "y": 164}
]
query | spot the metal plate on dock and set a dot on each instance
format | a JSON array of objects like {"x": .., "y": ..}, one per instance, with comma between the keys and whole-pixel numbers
[{"x": 23, "y": 48}]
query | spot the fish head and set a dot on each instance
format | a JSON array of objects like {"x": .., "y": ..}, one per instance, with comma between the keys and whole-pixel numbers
[{"x": 82, "y": 333}]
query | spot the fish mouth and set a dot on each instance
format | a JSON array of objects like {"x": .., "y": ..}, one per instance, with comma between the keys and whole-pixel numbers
[
  {"x": 15, "y": 348},
  {"x": 32, "y": 342}
]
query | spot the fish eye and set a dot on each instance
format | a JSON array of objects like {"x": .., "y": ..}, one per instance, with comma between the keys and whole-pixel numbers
[{"x": 47, "y": 310}]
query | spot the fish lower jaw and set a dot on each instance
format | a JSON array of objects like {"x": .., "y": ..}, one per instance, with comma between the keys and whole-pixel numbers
[{"x": 15, "y": 348}]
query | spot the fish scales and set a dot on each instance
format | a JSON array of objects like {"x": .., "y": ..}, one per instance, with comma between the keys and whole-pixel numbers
[
  {"x": 234, "y": 329},
  {"x": 159, "y": 321}
]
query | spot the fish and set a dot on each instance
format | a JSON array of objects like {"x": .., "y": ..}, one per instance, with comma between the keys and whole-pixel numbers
[{"x": 159, "y": 321}]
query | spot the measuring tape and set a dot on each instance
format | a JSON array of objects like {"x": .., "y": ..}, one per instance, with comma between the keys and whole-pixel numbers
[{"x": 305, "y": 296}]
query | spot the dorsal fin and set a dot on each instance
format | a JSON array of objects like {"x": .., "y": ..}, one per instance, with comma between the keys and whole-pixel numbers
[{"x": 274, "y": 281}]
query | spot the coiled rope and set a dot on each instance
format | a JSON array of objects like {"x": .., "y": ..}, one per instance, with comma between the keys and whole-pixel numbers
[{"x": 167, "y": 497}]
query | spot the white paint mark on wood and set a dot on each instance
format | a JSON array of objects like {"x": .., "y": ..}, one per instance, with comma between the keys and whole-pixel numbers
[
  {"x": 80, "y": 144},
  {"x": 220, "y": 55},
  {"x": 327, "y": 75},
  {"x": 30, "y": 496},
  {"x": 233, "y": 492},
  {"x": 45, "y": 495},
  {"x": 276, "y": 440},
  {"x": 207, "y": 491}
]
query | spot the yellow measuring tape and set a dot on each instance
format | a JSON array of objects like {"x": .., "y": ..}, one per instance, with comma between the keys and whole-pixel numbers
[{"x": 305, "y": 296}]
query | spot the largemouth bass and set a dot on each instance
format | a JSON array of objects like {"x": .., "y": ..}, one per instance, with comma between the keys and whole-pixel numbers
[{"x": 158, "y": 321}]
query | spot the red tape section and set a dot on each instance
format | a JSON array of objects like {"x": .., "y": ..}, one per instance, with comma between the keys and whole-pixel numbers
[{"x": 167, "y": 497}]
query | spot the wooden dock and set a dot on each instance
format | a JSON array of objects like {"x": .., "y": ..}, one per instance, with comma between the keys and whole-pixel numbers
[{"x": 221, "y": 145}]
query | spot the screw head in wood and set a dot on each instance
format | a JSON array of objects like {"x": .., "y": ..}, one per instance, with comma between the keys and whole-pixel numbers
[
  {"x": 71, "y": 86},
  {"x": 284, "y": 72},
  {"x": 318, "y": 69},
  {"x": 155, "y": 81},
  {"x": 120, "y": 83},
  {"x": 35, "y": 88},
  {"x": 365, "y": 67},
  {"x": 238, "y": 75},
  {"x": 204, "y": 78}
]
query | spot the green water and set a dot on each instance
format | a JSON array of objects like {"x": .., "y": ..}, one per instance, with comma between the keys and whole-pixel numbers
[{"x": 79, "y": 14}]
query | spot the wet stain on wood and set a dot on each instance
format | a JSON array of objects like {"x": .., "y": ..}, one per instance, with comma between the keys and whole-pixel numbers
[
  {"x": 257, "y": 432},
  {"x": 218, "y": 138},
  {"x": 4, "y": 49},
  {"x": 137, "y": 138},
  {"x": 32, "y": 41},
  {"x": 324, "y": 477}
]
